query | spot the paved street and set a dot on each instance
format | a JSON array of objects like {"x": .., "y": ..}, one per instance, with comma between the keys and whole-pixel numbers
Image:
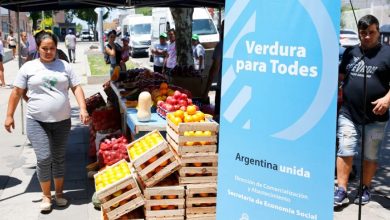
[{"x": 19, "y": 188}]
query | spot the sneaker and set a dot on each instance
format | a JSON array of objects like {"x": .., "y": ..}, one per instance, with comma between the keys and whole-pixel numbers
[
  {"x": 340, "y": 197},
  {"x": 366, "y": 196},
  {"x": 45, "y": 205},
  {"x": 60, "y": 201}
]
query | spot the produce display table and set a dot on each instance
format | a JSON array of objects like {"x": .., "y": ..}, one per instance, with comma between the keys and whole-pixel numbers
[
  {"x": 129, "y": 118},
  {"x": 139, "y": 129}
]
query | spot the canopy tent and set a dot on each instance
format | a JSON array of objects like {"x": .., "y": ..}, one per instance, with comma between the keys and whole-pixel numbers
[{"x": 39, "y": 5}]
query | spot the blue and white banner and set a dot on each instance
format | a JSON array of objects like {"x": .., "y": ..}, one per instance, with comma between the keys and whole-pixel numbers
[{"x": 278, "y": 112}]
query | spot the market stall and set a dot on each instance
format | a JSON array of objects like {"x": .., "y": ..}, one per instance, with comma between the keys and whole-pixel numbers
[{"x": 166, "y": 168}]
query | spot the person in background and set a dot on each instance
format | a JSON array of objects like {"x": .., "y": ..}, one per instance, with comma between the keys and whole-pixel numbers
[
  {"x": 351, "y": 117},
  {"x": 2, "y": 80},
  {"x": 12, "y": 43},
  {"x": 198, "y": 53},
  {"x": 47, "y": 81},
  {"x": 170, "y": 55},
  {"x": 113, "y": 50},
  {"x": 125, "y": 53},
  {"x": 35, "y": 54},
  {"x": 70, "y": 43},
  {"x": 24, "y": 47},
  {"x": 159, "y": 50}
]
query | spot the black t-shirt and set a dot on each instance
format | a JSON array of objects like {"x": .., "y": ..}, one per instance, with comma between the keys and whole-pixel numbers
[{"x": 377, "y": 62}]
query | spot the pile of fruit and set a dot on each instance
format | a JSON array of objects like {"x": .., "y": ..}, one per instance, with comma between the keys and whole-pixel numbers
[
  {"x": 190, "y": 114},
  {"x": 143, "y": 145},
  {"x": 197, "y": 134},
  {"x": 111, "y": 175},
  {"x": 105, "y": 118},
  {"x": 112, "y": 150},
  {"x": 174, "y": 102}
]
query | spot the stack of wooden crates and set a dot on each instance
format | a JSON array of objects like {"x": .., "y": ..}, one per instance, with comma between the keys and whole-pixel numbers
[{"x": 196, "y": 145}]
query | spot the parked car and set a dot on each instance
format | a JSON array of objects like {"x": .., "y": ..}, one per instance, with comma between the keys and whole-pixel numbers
[
  {"x": 348, "y": 38},
  {"x": 86, "y": 35}
]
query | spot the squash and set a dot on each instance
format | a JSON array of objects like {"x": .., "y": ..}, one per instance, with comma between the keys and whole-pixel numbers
[
  {"x": 115, "y": 73},
  {"x": 145, "y": 103}
]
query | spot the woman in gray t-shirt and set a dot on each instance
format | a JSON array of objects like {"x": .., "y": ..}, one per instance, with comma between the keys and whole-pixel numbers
[{"x": 47, "y": 81}]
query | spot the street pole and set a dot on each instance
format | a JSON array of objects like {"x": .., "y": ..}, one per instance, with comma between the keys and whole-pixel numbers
[{"x": 20, "y": 64}]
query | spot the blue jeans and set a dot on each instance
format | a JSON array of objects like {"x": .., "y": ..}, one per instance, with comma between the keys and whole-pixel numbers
[{"x": 349, "y": 136}]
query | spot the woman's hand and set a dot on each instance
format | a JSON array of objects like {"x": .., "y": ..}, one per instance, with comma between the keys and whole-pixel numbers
[
  {"x": 84, "y": 116},
  {"x": 9, "y": 123}
]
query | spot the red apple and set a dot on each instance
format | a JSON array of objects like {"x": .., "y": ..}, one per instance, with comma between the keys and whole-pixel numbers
[
  {"x": 177, "y": 94},
  {"x": 184, "y": 96},
  {"x": 189, "y": 101},
  {"x": 168, "y": 107},
  {"x": 176, "y": 107},
  {"x": 160, "y": 102},
  {"x": 171, "y": 100},
  {"x": 183, "y": 108},
  {"x": 183, "y": 102}
]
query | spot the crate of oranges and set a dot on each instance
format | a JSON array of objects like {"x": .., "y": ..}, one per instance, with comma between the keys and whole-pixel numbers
[
  {"x": 198, "y": 168},
  {"x": 191, "y": 131},
  {"x": 166, "y": 200},
  {"x": 117, "y": 190},
  {"x": 152, "y": 158},
  {"x": 201, "y": 200}
]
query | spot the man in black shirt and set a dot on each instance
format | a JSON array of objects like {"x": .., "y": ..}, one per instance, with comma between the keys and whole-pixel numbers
[{"x": 372, "y": 59}]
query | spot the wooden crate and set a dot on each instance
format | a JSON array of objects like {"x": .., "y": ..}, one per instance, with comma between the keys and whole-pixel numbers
[
  {"x": 113, "y": 187},
  {"x": 153, "y": 172},
  {"x": 158, "y": 197},
  {"x": 176, "y": 138},
  {"x": 201, "y": 200},
  {"x": 137, "y": 214},
  {"x": 198, "y": 168},
  {"x": 131, "y": 198}
]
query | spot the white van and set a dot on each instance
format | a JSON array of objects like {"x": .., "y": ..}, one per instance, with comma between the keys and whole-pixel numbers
[
  {"x": 202, "y": 25},
  {"x": 139, "y": 30}
]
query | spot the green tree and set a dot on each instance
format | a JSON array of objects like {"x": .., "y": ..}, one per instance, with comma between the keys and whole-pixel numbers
[
  {"x": 89, "y": 15},
  {"x": 79, "y": 27},
  {"x": 146, "y": 11},
  {"x": 37, "y": 15}
]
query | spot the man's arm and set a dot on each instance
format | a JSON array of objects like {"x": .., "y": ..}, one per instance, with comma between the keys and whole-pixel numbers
[{"x": 381, "y": 104}]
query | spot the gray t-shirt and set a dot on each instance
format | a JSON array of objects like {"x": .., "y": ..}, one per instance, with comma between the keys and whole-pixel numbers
[
  {"x": 47, "y": 87},
  {"x": 70, "y": 41}
]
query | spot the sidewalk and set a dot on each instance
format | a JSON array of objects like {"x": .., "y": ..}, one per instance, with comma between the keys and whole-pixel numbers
[{"x": 20, "y": 192}]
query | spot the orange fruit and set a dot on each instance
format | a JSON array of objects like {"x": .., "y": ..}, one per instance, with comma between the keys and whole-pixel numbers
[
  {"x": 171, "y": 207},
  {"x": 171, "y": 196},
  {"x": 200, "y": 115},
  {"x": 197, "y": 164},
  {"x": 195, "y": 118},
  {"x": 156, "y": 207},
  {"x": 189, "y": 143},
  {"x": 157, "y": 197},
  {"x": 176, "y": 120},
  {"x": 191, "y": 109},
  {"x": 203, "y": 194},
  {"x": 164, "y": 206},
  {"x": 179, "y": 113},
  {"x": 164, "y": 85},
  {"x": 163, "y": 92},
  {"x": 151, "y": 160},
  {"x": 163, "y": 164},
  {"x": 188, "y": 118}
]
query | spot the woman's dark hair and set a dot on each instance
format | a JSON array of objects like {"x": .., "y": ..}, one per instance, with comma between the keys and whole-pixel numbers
[
  {"x": 45, "y": 35},
  {"x": 366, "y": 21},
  {"x": 172, "y": 30},
  {"x": 111, "y": 32}
]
